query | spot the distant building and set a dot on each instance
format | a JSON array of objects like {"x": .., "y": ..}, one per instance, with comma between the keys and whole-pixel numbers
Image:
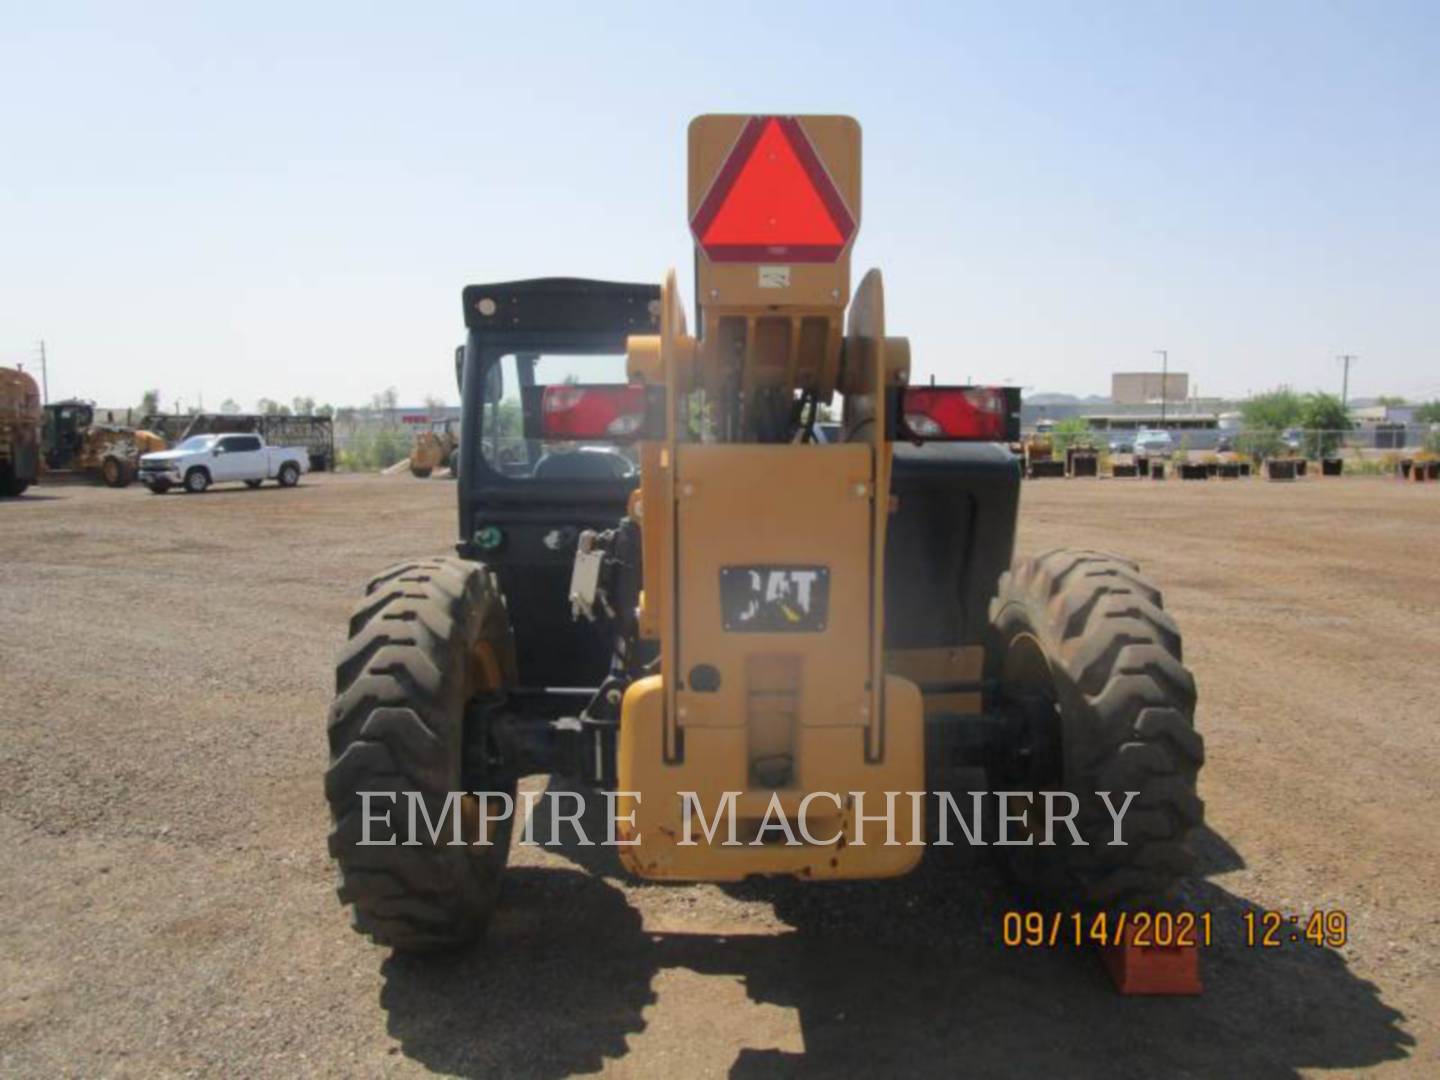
[
  {"x": 1148, "y": 387},
  {"x": 1384, "y": 414}
]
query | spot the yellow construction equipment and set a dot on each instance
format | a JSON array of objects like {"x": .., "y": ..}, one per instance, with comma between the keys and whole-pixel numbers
[
  {"x": 778, "y": 653},
  {"x": 74, "y": 444},
  {"x": 434, "y": 448},
  {"x": 19, "y": 431}
]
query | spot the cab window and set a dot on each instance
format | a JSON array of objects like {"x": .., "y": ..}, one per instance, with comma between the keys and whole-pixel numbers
[{"x": 504, "y": 444}]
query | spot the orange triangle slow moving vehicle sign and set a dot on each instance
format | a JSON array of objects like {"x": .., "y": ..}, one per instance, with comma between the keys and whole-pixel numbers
[{"x": 773, "y": 200}]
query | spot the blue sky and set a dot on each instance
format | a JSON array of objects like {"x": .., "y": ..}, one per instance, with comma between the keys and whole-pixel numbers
[{"x": 258, "y": 199}]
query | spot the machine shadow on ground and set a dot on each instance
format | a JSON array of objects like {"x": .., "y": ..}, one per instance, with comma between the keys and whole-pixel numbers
[{"x": 906, "y": 976}]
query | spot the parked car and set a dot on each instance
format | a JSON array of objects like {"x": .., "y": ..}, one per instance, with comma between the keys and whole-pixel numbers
[
  {"x": 202, "y": 460},
  {"x": 1153, "y": 441},
  {"x": 1122, "y": 446}
]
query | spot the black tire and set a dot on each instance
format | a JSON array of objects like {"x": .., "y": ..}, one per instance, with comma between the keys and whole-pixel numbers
[
  {"x": 289, "y": 474},
  {"x": 159, "y": 488},
  {"x": 421, "y": 471},
  {"x": 253, "y": 484},
  {"x": 114, "y": 473},
  {"x": 1083, "y": 647},
  {"x": 196, "y": 481},
  {"x": 428, "y": 637},
  {"x": 10, "y": 484}
]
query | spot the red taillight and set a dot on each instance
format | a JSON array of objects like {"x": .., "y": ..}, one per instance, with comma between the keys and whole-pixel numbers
[
  {"x": 568, "y": 411},
  {"x": 961, "y": 413},
  {"x": 773, "y": 199}
]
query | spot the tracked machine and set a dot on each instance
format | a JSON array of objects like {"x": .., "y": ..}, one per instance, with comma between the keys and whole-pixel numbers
[{"x": 665, "y": 586}]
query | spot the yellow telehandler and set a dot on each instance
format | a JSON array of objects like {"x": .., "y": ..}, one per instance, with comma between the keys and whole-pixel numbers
[{"x": 760, "y": 642}]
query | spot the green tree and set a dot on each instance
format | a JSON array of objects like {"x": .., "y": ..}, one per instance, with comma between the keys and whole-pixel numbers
[
  {"x": 373, "y": 450},
  {"x": 1390, "y": 399},
  {"x": 1429, "y": 413},
  {"x": 1324, "y": 419},
  {"x": 1272, "y": 411},
  {"x": 327, "y": 410},
  {"x": 149, "y": 403},
  {"x": 1072, "y": 431},
  {"x": 1260, "y": 444},
  {"x": 302, "y": 406},
  {"x": 229, "y": 406},
  {"x": 1266, "y": 416}
]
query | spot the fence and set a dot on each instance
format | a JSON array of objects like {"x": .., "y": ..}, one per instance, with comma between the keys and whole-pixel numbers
[{"x": 1364, "y": 442}]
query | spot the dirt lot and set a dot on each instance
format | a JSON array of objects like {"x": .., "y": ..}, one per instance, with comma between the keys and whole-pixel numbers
[{"x": 168, "y": 906}]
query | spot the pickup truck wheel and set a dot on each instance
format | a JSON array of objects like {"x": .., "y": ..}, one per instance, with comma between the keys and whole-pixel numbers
[
  {"x": 428, "y": 638},
  {"x": 196, "y": 481},
  {"x": 1089, "y": 663},
  {"x": 253, "y": 483},
  {"x": 289, "y": 474}
]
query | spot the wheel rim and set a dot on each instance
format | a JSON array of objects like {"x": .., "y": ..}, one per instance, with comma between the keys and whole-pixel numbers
[{"x": 1032, "y": 699}]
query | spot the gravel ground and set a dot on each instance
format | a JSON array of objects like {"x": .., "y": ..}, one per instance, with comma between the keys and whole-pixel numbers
[{"x": 169, "y": 908}]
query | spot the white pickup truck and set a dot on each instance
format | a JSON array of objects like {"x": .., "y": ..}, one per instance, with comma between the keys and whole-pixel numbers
[{"x": 202, "y": 460}]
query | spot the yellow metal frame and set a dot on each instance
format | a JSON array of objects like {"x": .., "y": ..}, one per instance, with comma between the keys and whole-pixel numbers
[
  {"x": 846, "y": 726},
  {"x": 849, "y": 737}
]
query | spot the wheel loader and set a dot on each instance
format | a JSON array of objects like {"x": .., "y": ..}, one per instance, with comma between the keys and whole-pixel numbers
[
  {"x": 19, "y": 431},
  {"x": 666, "y": 587},
  {"x": 433, "y": 449}
]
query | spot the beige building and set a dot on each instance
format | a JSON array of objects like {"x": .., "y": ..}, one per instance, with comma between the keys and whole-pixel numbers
[{"x": 1144, "y": 387}]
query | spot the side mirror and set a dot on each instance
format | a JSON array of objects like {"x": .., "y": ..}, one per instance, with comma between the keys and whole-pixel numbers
[{"x": 495, "y": 382}]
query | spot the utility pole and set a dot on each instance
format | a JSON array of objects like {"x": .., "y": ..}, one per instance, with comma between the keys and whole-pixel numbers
[
  {"x": 44, "y": 376},
  {"x": 1347, "y": 359},
  {"x": 1164, "y": 381}
]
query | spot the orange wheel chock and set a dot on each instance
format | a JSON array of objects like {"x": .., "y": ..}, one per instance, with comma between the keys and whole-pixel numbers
[{"x": 1152, "y": 969}]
